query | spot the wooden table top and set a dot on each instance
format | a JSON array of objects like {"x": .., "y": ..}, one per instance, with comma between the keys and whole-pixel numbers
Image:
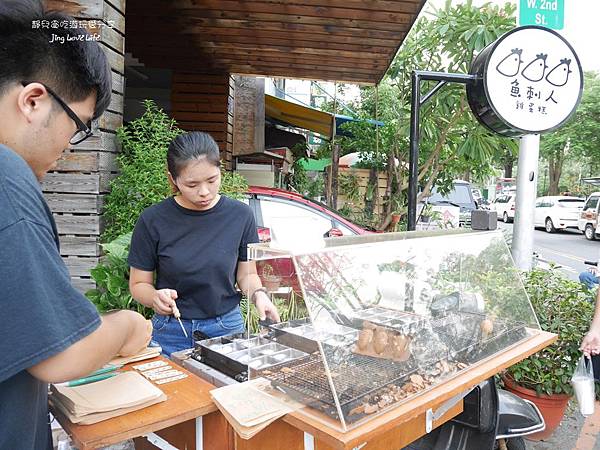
[
  {"x": 189, "y": 398},
  {"x": 186, "y": 399}
]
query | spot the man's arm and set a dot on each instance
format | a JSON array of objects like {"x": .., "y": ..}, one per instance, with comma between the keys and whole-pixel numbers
[{"x": 120, "y": 333}]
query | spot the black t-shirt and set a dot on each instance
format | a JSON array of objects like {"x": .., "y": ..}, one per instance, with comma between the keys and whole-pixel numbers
[
  {"x": 195, "y": 252},
  {"x": 42, "y": 314}
]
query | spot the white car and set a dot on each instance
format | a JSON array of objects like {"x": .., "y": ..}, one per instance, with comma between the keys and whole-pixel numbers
[
  {"x": 504, "y": 205},
  {"x": 588, "y": 219},
  {"x": 557, "y": 213}
]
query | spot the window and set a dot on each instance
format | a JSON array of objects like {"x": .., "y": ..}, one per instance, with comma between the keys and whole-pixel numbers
[
  {"x": 460, "y": 194},
  {"x": 344, "y": 229},
  {"x": 571, "y": 203},
  {"x": 286, "y": 220},
  {"x": 592, "y": 203}
]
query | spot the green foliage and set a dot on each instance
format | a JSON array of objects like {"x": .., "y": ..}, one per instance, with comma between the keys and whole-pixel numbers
[
  {"x": 233, "y": 185},
  {"x": 452, "y": 141},
  {"x": 349, "y": 186},
  {"x": 143, "y": 172},
  {"x": 562, "y": 307},
  {"x": 112, "y": 279},
  {"x": 578, "y": 140},
  {"x": 289, "y": 309}
]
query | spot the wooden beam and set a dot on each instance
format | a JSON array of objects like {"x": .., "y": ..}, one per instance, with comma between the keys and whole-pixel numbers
[
  {"x": 236, "y": 66},
  {"x": 403, "y": 6},
  {"x": 75, "y": 203},
  {"x": 94, "y": 183},
  {"x": 80, "y": 266},
  {"x": 79, "y": 246},
  {"x": 265, "y": 36},
  {"x": 82, "y": 225},
  {"x": 284, "y": 9},
  {"x": 322, "y": 20},
  {"x": 240, "y": 56},
  {"x": 185, "y": 24},
  {"x": 210, "y": 48},
  {"x": 286, "y": 45}
]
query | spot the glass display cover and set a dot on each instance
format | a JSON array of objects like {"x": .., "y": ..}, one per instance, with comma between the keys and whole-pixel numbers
[{"x": 388, "y": 316}]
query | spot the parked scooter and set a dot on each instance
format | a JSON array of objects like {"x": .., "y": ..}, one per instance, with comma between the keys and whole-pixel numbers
[{"x": 492, "y": 418}]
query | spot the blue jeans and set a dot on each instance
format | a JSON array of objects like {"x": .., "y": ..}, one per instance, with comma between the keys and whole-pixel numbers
[
  {"x": 168, "y": 334},
  {"x": 589, "y": 279}
]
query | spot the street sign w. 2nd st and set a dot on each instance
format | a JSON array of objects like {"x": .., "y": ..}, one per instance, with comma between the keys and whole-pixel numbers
[{"x": 545, "y": 13}]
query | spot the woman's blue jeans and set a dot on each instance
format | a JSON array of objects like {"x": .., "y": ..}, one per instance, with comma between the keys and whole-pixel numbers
[{"x": 168, "y": 334}]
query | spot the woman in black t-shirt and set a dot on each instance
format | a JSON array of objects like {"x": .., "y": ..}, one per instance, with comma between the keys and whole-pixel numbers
[{"x": 189, "y": 251}]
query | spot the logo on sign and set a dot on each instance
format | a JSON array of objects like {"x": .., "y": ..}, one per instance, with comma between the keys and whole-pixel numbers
[{"x": 533, "y": 79}]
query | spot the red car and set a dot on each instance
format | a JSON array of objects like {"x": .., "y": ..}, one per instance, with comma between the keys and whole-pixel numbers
[{"x": 276, "y": 208}]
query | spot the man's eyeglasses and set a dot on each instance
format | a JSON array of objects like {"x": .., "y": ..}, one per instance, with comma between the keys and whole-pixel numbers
[{"x": 83, "y": 131}]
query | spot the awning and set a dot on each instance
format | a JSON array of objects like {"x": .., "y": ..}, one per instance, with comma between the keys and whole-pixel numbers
[
  {"x": 300, "y": 116},
  {"x": 314, "y": 165},
  {"x": 340, "y": 120},
  {"x": 594, "y": 181},
  {"x": 307, "y": 118}
]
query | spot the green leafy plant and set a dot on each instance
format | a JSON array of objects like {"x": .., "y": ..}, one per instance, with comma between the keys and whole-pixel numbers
[
  {"x": 143, "y": 174},
  {"x": 562, "y": 307},
  {"x": 291, "y": 308},
  {"x": 112, "y": 279},
  {"x": 233, "y": 185},
  {"x": 349, "y": 186}
]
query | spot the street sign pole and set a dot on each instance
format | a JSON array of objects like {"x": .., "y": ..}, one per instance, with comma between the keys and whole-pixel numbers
[{"x": 527, "y": 176}]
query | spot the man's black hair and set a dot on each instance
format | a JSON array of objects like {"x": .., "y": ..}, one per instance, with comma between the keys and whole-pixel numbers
[{"x": 73, "y": 69}]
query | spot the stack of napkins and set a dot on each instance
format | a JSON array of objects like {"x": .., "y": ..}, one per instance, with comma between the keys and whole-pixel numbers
[
  {"x": 147, "y": 353},
  {"x": 94, "y": 402},
  {"x": 248, "y": 408}
]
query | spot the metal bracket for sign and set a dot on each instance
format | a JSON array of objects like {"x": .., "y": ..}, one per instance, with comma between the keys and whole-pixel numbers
[
  {"x": 159, "y": 442},
  {"x": 163, "y": 444},
  {"x": 431, "y": 416},
  {"x": 415, "y": 108}
]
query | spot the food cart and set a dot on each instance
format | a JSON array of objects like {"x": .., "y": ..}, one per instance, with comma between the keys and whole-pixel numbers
[{"x": 398, "y": 328}]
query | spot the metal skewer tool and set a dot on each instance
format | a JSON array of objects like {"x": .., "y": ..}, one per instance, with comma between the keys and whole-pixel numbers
[{"x": 177, "y": 315}]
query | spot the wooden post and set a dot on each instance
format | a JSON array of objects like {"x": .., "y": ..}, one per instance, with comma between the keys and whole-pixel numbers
[
  {"x": 335, "y": 166},
  {"x": 249, "y": 115},
  {"x": 335, "y": 157},
  {"x": 75, "y": 190}
]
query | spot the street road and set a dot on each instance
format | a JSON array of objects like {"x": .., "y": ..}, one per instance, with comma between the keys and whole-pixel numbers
[{"x": 569, "y": 249}]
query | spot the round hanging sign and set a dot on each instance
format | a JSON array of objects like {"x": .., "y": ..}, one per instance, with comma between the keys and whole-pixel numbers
[{"x": 529, "y": 81}]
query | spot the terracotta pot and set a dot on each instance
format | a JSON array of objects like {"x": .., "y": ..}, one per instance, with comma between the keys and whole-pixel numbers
[{"x": 552, "y": 407}]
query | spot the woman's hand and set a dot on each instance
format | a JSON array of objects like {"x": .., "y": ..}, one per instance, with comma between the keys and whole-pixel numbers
[
  {"x": 164, "y": 301},
  {"x": 265, "y": 307},
  {"x": 591, "y": 343}
]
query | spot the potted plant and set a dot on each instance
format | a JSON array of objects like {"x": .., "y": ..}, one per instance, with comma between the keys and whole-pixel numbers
[
  {"x": 269, "y": 280},
  {"x": 562, "y": 307}
]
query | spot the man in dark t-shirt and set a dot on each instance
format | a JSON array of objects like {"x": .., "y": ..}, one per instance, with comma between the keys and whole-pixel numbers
[{"x": 49, "y": 93}]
